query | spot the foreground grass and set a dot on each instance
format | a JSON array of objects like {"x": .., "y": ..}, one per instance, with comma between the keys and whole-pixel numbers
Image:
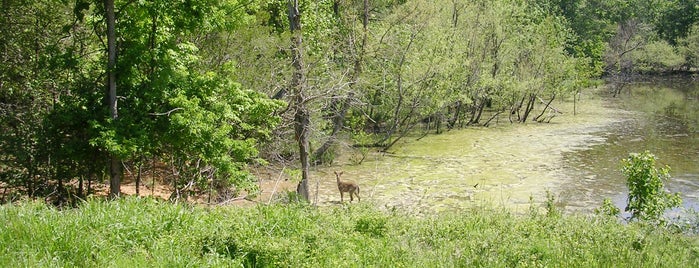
[{"x": 137, "y": 232}]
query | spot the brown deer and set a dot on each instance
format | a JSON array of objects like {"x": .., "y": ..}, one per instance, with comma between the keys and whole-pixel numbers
[{"x": 346, "y": 186}]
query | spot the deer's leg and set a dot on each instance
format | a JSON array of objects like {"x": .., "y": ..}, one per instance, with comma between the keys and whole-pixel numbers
[{"x": 342, "y": 197}]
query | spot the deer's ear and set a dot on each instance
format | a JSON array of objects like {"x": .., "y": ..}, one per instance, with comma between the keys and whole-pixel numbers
[{"x": 336, "y": 173}]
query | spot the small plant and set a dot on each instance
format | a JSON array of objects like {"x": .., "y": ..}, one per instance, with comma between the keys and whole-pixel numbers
[
  {"x": 550, "y": 204},
  {"x": 372, "y": 225},
  {"x": 608, "y": 209},
  {"x": 648, "y": 199}
]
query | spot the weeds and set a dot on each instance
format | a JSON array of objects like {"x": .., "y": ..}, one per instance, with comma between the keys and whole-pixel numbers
[{"x": 143, "y": 232}]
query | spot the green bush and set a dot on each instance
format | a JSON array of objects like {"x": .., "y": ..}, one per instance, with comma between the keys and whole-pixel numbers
[
  {"x": 608, "y": 209},
  {"x": 648, "y": 199}
]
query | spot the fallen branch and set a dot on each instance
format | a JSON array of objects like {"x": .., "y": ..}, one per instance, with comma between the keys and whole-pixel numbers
[{"x": 549, "y": 106}]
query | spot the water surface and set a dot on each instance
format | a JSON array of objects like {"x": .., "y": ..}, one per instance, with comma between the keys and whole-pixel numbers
[{"x": 577, "y": 157}]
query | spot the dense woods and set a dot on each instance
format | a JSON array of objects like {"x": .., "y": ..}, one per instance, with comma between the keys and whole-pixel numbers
[{"x": 194, "y": 93}]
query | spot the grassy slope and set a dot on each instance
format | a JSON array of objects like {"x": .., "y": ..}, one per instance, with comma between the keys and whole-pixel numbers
[{"x": 144, "y": 232}]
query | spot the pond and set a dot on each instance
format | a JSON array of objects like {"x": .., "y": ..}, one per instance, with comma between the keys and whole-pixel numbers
[
  {"x": 663, "y": 120},
  {"x": 576, "y": 158}
]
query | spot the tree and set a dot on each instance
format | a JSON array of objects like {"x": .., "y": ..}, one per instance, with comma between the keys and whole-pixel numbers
[
  {"x": 301, "y": 113},
  {"x": 340, "y": 105},
  {"x": 197, "y": 121},
  {"x": 674, "y": 19},
  {"x": 114, "y": 161},
  {"x": 35, "y": 75}
]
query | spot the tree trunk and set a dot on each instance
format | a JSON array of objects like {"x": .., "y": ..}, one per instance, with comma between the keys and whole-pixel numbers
[
  {"x": 474, "y": 110},
  {"x": 575, "y": 102},
  {"x": 455, "y": 117},
  {"x": 545, "y": 107},
  {"x": 487, "y": 123},
  {"x": 530, "y": 107},
  {"x": 454, "y": 14},
  {"x": 301, "y": 115},
  {"x": 81, "y": 179},
  {"x": 138, "y": 177},
  {"x": 516, "y": 108},
  {"x": 479, "y": 111},
  {"x": 115, "y": 163}
]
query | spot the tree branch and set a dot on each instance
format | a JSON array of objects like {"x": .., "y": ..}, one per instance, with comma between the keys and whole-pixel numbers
[{"x": 166, "y": 113}]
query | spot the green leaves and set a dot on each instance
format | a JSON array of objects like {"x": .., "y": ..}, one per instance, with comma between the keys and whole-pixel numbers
[{"x": 647, "y": 197}]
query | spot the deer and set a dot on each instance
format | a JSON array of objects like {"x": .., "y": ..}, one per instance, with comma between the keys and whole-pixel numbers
[{"x": 347, "y": 186}]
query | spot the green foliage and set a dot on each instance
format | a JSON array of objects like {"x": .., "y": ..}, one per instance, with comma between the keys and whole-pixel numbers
[
  {"x": 608, "y": 209},
  {"x": 689, "y": 47},
  {"x": 39, "y": 71},
  {"x": 675, "y": 19},
  {"x": 647, "y": 197},
  {"x": 657, "y": 56},
  {"x": 135, "y": 232},
  {"x": 372, "y": 225},
  {"x": 194, "y": 76},
  {"x": 172, "y": 107},
  {"x": 551, "y": 209}
]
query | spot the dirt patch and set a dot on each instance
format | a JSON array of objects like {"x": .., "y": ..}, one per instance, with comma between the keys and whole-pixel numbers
[{"x": 272, "y": 183}]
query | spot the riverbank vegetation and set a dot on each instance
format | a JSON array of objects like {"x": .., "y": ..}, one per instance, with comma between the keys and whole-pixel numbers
[
  {"x": 194, "y": 94},
  {"x": 146, "y": 232}
]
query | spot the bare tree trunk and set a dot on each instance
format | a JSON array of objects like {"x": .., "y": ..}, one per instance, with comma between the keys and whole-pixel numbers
[
  {"x": 454, "y": 14},
  {"x": 530, "y": 107},
  {"x": 487, "y": 123},
  {"x": 479, "y": 111},
  {"x": 575, "y": 103},
  {"x": 81, "y": 180},
  {"x": 474, "y": 111},
  {"x": 89, "y": 184},
  {"x": 301, "y": 114},
  {"x": 451, "y": 123},
  {"x": 115, "y": 163},
  {"x": 152, "y": 176},
  {"x": 138, "y": 176},
  {"x": 516, "y": 108},
  {"x": 545, "y": 107}
]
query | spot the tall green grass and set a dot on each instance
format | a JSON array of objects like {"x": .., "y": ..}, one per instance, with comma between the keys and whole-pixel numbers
[{"x": 136, "y": 232}]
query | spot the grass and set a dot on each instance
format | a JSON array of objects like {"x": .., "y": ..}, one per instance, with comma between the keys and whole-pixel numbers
[{"x": 144, "y": 232}]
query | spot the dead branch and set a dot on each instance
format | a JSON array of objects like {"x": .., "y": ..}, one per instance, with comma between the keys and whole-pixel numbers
[{"x": 166, "y": 113}]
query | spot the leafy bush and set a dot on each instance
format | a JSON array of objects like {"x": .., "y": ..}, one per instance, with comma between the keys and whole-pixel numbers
[
  {"x": 657, "y": 56},
  {"x": 608, "y": 209},
  {"x": 647, "y": 197}
]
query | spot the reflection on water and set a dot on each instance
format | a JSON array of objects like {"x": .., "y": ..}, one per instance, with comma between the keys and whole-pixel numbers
[
  {"x": 576, "y": 157},
  {"x": 664, "y": 122}
]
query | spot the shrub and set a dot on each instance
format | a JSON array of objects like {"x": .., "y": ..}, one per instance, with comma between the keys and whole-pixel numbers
[
  {"x": 647, "y": 197},
  {"x": 608, "y": 209}
]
